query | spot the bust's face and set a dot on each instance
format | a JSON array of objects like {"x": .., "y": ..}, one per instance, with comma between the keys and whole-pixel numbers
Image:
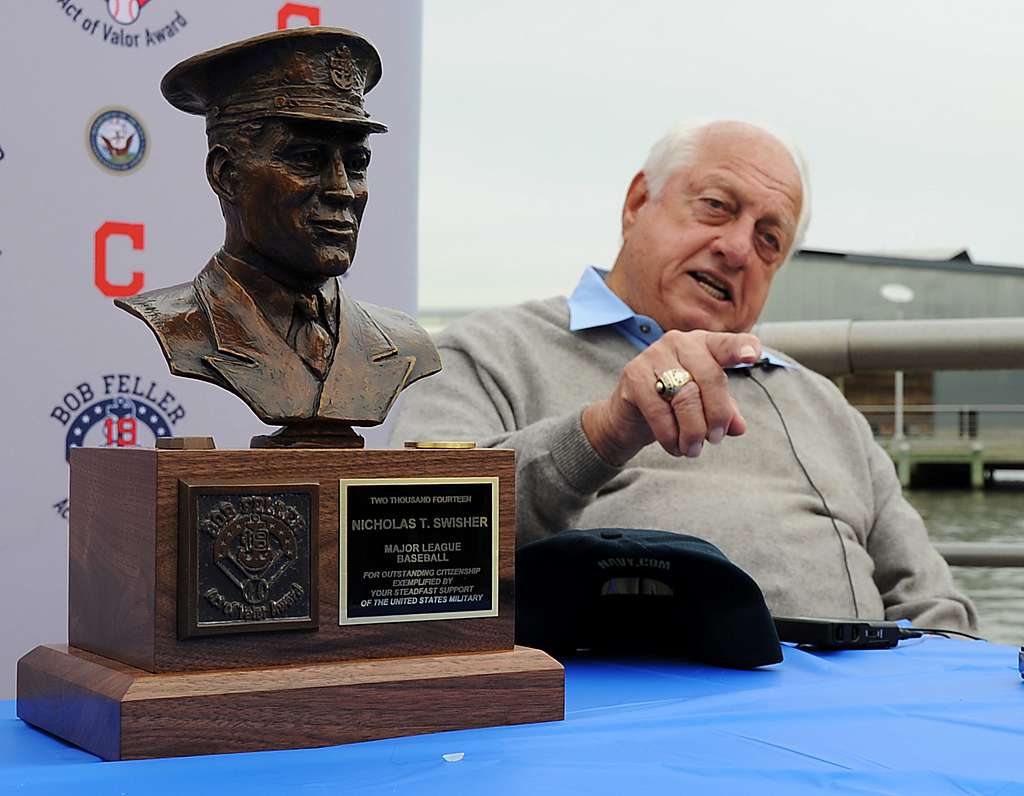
[{"x": 301, "y": 192}]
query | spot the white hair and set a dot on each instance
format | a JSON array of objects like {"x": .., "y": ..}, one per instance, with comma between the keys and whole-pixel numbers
[{"x": 677, "y": 149}]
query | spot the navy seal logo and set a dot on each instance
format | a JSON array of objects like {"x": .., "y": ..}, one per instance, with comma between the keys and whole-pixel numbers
[
  {"x": 128, "y": 411},
  {"x": 117, "y": 140}
]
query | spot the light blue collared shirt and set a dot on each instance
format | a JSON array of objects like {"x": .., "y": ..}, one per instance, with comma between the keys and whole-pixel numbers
[{"x": 593, "y": 304}]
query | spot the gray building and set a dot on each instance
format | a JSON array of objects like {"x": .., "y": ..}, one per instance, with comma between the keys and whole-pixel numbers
[{"x": 819, "y": 285}]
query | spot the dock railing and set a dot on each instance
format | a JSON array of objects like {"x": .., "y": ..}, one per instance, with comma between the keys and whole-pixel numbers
[
  {"x": 991, "y": 422},
  {"x": 982, "y": 554}
]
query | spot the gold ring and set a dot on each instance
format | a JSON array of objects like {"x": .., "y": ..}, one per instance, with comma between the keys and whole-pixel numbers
[{"x": 671, "y": 381}]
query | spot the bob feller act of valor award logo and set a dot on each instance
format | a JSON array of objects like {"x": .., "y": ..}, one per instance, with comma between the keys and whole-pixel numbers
[
  {"x": 118, "y": 410},
  {"x": 117, "y": 140},
  {"x": 116, "y": 22}
]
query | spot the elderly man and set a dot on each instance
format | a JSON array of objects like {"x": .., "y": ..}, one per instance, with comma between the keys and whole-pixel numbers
[{"x": 659, "y": 350}]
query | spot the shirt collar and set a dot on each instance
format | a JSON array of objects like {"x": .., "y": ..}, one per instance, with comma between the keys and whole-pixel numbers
[
  {"x": 593, "y": 305},
  {"x": 276, "y": 301}
]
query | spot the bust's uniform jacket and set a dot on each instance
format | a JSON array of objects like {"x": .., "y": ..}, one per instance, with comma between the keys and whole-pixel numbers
[{"x": 212, "y": 329}]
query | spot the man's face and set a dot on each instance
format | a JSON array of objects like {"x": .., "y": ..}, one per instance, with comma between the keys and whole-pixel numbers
[
  {"x": 301, "y": 195},
  {"x": 703, "y": 253}
]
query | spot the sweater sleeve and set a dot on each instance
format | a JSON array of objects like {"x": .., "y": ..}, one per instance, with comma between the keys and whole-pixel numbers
[
  {"x": 913, "y": 579},
  {"x": 557, "y": 470}
]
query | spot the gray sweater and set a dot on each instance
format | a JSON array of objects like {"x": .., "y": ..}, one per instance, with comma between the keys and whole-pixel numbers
[{"x": 518, "y": 378}]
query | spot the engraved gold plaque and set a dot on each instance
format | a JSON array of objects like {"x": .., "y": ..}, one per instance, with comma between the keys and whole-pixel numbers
[{"x": 416, "y": 549}]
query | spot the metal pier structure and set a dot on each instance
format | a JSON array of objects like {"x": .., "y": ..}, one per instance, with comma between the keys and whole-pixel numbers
[
  {"x": 977, "y": 458},
  {"x": 841, "y": 348}
]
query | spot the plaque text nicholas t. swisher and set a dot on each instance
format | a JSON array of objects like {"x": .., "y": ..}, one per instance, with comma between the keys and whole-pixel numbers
[{"x": 417, "y": 549}]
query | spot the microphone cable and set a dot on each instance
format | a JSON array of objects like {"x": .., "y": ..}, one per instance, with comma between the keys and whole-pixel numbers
[
  {"x": 917, "y": 632},
  {"x": 839, "y": 537}
]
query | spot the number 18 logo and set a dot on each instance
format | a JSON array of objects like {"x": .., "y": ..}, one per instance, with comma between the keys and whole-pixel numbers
[
  {"x": 121, "y": 432},
  {"x": 115, "y": 423}
]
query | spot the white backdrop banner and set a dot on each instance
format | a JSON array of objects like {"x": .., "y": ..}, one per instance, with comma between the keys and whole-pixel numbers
[{"x": 103, "y": 193}]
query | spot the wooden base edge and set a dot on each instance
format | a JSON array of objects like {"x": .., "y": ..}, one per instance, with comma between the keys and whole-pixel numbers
[{"x": 121, "y": 713}]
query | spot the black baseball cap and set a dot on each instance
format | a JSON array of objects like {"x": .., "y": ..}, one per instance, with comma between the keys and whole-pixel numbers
[{"x": 637, "y": 591}]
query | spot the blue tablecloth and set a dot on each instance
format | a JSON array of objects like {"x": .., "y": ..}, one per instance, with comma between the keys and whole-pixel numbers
[{"x": 932, "y": 716}]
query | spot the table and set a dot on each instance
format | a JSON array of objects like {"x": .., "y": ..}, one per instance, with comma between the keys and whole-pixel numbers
[{"x": 932, "y": 716}]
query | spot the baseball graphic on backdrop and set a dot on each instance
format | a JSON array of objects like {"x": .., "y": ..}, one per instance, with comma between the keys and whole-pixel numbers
[{"x": 124, "y": 11}]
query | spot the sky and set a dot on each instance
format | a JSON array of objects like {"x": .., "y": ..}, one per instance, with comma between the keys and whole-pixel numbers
[{"x": 535, "y": 116}]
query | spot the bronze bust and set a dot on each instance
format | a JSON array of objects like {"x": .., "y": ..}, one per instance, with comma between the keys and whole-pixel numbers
[{"x": 266, "y": 318}]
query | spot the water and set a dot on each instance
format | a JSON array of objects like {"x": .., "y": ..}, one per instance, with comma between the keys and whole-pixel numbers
[{"x": 992, "y": 515}]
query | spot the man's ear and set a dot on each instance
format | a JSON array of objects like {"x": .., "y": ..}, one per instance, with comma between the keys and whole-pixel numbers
[
  {"x": 636, "y": 198},
  {"x": 221, "y": 173}
]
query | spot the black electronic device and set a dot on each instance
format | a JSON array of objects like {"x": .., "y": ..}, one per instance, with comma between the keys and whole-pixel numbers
[{"x": 839, "y": 634}]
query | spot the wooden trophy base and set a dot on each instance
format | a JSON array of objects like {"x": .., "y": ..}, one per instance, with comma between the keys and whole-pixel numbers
[
  {"x": 154, "y": 671},
  {"x": 119, "y": 712}
]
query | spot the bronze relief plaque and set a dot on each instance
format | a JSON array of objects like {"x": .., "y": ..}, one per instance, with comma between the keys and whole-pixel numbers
[
  {"x": 247, "y": 558},
  {"x": 415, "y": 549}
]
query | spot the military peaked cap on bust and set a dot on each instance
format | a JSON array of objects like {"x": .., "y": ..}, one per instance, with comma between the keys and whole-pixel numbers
[{"x": 315, "y": 73}]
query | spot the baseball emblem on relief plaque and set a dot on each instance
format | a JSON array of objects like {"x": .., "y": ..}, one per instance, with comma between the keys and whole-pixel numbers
[{"x": 249, "y": 558}]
